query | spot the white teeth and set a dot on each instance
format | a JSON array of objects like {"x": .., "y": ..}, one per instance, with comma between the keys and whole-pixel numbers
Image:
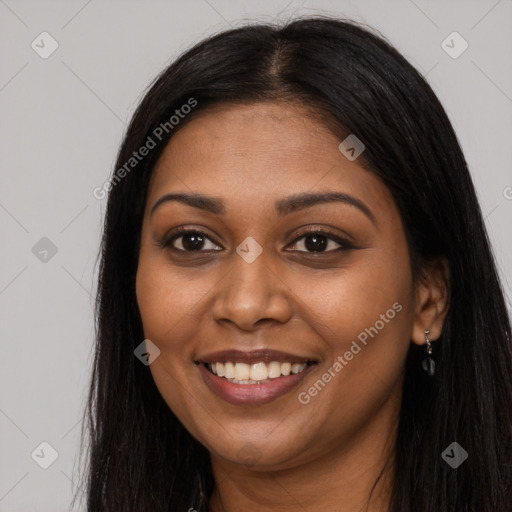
[
  {"x": 229, "y": 370},
  {"x": 259, "y": 371},
  {"x": 285, "y": 368},
  {"x": 297, "y": 367},
  {"x": 274, "y": 370},
  {"x": 242, "y": 373}
]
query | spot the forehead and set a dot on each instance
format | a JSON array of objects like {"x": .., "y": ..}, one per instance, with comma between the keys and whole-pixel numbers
[{"x": 261, "y": 152}]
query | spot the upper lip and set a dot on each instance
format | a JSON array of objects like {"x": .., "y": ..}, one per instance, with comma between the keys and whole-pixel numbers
[{"x": 252, "y": 356}]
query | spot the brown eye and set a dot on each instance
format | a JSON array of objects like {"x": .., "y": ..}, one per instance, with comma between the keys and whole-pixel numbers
[
  {"x": 190, "y": 241},
  {"x": 320, "y": 241}
]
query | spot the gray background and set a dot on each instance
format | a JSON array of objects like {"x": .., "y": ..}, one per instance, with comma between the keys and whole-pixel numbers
[{"x": 62, "y": 119}]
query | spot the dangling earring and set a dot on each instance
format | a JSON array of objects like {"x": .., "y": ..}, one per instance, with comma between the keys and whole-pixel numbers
[{"x": 428, "y": 363}]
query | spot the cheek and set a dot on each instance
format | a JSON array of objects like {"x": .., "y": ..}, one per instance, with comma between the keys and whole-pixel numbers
[
  {"x": 364, "y": 319},
  {"x": 152, "y": 301},
  {"x": 364, "y": 315},
  {"x": 166, "y": 318},
  {"x": 169, "y": 311},
  {"x": 166, "y": 299},
  {"x": 353, "y": 299}
]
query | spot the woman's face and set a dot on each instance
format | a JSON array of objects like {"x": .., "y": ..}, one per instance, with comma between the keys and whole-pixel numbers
[{"x": 315, "y": 326}]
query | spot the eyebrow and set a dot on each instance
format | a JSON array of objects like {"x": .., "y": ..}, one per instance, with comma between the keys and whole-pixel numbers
[{"x": 283, "y": 207}]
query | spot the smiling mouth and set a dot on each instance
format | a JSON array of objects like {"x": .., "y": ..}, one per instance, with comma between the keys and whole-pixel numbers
[{"x": 256, "y": 373}]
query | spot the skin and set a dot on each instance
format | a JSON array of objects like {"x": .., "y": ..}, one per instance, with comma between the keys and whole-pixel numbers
[{"x": 283, "y": 455}]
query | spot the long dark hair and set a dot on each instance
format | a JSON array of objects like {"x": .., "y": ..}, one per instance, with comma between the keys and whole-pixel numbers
[{"x": 140, "y": 456}]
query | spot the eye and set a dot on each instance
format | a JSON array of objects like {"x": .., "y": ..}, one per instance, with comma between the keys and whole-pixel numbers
[
  {"x": 311, "y": 241},
  {"x": 190, "y": 240},
  {"x": 321, "y": 241}
]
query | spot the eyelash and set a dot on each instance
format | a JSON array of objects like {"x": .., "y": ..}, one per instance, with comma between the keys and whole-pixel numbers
[{"x": 167, "y": 241}]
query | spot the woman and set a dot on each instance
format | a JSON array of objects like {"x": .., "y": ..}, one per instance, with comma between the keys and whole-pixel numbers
[{"x": 298, "y": 307}]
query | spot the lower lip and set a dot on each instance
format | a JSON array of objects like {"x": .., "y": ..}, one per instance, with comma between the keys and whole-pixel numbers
[{"x": 251, "y": 394}]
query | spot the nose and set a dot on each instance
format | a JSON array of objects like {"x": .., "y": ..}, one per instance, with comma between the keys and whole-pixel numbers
[{"x": 252, "y": 294}]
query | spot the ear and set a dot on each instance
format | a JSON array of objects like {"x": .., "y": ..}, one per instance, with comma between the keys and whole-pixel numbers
[{"x": 431, "y": 301}]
